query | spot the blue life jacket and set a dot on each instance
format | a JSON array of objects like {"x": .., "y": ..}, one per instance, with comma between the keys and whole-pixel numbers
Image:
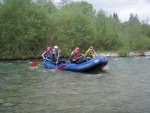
[
  {"x": 47, "y": 54},
  {"x": 54, "y": 55}
]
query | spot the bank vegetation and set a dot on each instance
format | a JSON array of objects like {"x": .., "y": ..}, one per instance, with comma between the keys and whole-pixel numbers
[{"x": 27, "y": 26}]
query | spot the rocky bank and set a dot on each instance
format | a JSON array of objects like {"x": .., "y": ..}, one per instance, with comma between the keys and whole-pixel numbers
[{"x": 135, "y": 53}]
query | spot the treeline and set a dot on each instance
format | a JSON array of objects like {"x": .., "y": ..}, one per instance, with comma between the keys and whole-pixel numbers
[{"x": 27, "y": 26}]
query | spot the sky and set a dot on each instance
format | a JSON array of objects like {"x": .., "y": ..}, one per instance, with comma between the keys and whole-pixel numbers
[{"x": 123, "y": 8}]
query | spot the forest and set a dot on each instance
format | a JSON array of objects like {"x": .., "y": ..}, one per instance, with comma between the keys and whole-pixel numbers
[{"x": 28, "y": 26}]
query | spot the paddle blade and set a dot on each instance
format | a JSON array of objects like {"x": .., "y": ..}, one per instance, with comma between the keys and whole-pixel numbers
[
  {"x": 34, "y": 64},
  {"x": 60, "y": 68},
  {"x": 104, "y": 68}
]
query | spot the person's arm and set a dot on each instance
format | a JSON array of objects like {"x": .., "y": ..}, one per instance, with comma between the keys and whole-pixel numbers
[
  {"x": 77, "y": 57},
  {"x": 72, "y": 55},
  {"x": 87, "y": 52},
  {"x": 43, "y": 54}
]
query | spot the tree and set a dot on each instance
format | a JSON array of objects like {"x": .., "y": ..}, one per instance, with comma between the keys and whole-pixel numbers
[
  {"x": 48, "y": 5},
  {"x": 24, "y": 28},
  {"x": 64, "y": 3},
  {"x": 73, "y": 28},
  {"x": 133, "y": 17}
]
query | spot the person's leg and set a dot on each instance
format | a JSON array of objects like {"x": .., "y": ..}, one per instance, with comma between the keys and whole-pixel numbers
[
  {"x": 90, "y": 56},
  {"x": 81, "y": 60},
  {"x": 61, "y": 61}
]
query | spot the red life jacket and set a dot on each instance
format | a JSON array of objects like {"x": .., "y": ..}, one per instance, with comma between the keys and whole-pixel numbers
[{"x": 76, "y": 56}]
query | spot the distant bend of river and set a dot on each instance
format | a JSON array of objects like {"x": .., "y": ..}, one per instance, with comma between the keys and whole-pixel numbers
[{"x": 123, "y": 87}]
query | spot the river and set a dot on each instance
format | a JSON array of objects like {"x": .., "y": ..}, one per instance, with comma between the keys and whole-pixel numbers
[{"x": 123, "y": 87}]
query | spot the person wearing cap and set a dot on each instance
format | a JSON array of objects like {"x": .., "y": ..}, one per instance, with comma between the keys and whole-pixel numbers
[
  {"x": 46, "y": 54},
  {"x": 76, "y": 56},
  {"x": 55, "y": 50},
  {"x": 89, "y": 53},
  {"x": 55, "y": 56}
]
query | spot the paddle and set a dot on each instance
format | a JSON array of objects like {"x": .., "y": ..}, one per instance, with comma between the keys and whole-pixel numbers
[
  {"x": 104, "y": 68},
  {"x": 34, "y": 64},
  {"x": 94, "y": 51},
  {"x": 61, "y": 67},
  {"x": 57, "y": 60}
]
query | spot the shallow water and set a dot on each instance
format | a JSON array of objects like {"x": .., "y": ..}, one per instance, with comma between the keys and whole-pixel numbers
[{"x": 123, "y": 87}]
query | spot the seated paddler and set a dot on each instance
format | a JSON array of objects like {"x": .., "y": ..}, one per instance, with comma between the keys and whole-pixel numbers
[
  {"x": 47, "y": 53},
  {"x": 77, "y": 57},
  {"x": 89, "y": 54},
  {"x": 55, "y": 56}
]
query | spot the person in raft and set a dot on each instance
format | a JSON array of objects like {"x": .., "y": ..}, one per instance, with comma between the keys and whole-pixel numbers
[
  {"x": 55, "y": 56},
  {"x": 47, "y": 54},
  {"x": 89, "y": 54},
  {"x": 77, "y": 57}
]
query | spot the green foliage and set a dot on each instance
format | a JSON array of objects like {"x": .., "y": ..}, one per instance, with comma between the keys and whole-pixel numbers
[
  {"x": 143, "y": 44},
  {"x": 123, "y": 51},
  {"x": 27, "y": 26},
  {"x": 48, "y": 5},
  {"x": 146, "y": 30},
  {"x": 24, "y": 28},
  {"x": 73, "y": 29},
  {"x": 107, "y": 32}
]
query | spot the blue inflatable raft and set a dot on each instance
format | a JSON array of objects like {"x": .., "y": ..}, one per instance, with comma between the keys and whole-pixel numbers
[{"x": 98, "y": 62}]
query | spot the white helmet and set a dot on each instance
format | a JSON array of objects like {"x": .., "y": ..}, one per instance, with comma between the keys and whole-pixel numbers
[{"x": 56, "y": 47}]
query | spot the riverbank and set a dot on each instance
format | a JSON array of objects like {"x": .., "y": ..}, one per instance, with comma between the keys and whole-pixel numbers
[
  {"x": 105, "y": 54},
  {"x": 130, "y": 54}
]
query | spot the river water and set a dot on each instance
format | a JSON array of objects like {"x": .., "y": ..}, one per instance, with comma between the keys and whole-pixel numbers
[{"x": 123, "y": 87}]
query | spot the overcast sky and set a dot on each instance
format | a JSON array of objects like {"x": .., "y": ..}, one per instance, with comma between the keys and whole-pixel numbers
[{"x": 123, "y": 8}]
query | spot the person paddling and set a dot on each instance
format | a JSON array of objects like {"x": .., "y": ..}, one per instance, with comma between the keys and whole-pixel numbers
[
  {"x": 89, "y": 53},
  {"x": 47, "y": 54},
  {"x": 55, "y": 56},
  {"x": 76, "y": 56}
]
